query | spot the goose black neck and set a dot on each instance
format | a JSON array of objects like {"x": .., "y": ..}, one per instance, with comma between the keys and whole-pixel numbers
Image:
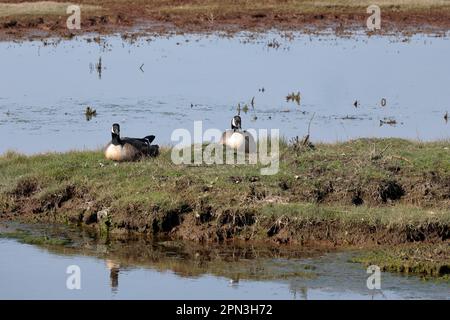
[{"x": 115, "y": 139}]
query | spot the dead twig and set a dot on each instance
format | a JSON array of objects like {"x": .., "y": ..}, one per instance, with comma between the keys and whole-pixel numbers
[
  {"x": 375, "y": 156},
  {"x": 306, "y": 141},
  {"x": 400, "y": 158}
]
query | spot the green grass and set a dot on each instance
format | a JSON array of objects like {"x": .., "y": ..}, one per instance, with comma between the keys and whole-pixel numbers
[
  {"x": 420, "y": 259},
  {"x": 399, "y": 215}
]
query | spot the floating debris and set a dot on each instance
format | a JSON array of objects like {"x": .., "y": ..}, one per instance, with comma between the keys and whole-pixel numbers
[
  {"x": 300, "y": 145},
  {"x": 294, "y": 97},
  {"x": 245, "y": 108},
  {"x": 391, "y": 122},
  {"x": 347, "y": 117},
  {"x": 99, "y": 68},
  {"x": 89, "y": 113},
  {"x": 273, "y": 44},
  {"x": 383, "y": 102}
]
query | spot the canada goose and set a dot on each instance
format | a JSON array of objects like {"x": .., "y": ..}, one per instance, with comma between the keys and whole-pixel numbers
[
  {"x": 129, "y": 149},
  {"x": 237, "y": 138}
]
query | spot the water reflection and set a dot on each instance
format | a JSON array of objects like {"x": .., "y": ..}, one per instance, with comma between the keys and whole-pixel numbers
[
  {"x": 114, "y": 269},
  {"x": 193, "y": 77},
  {"x": 164, "y": 269}
]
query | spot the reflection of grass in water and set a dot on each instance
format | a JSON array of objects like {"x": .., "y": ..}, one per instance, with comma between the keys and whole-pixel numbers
[
  {"x": 184, "y": 259},
  {"x": 257, "y": 269},
  {"x": 193, "y": 260}
]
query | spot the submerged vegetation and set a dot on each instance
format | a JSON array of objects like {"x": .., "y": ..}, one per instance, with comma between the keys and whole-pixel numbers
[
  {"x": 28, "y": 238},
  {"x": 90, "y": 113},
  {"x": 295, "y": 97}
]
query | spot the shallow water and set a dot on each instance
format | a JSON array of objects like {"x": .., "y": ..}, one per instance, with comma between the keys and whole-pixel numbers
[
  {"x": 174, "y": 270},
  {"x": 45, "y": 88}
]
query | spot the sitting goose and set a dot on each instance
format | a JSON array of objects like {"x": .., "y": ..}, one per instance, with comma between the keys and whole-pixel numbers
[
  {"x": 129, "y": 149},
  {"x": 237, "y": 138}
]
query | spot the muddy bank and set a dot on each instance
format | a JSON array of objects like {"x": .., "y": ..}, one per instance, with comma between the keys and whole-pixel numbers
[
  {"x": 112, "y": 16},
  {"x": 345, "y": 194},
  {"x": 247, "y": 225}
]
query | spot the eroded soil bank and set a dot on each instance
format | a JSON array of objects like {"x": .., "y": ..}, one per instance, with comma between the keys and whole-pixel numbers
[
  {"x": 362, "y": 192},
  {"x": 35, "y": 19}
]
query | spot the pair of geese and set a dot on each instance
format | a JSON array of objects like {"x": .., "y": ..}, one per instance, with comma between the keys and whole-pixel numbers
[{"x": 131, "y": 149}]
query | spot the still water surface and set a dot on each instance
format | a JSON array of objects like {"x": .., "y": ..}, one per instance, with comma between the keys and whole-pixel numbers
[
  {"x": 158, "y": 84},
  {"x": 150, "y": 269}
]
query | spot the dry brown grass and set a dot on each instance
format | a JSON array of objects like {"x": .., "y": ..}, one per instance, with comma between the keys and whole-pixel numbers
[
  {"x": 22, "y": 18},
  {"x": 39, "y": 8}
]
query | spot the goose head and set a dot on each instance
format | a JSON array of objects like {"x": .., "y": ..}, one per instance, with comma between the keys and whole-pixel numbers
[
  {"x": 236, "y": 123},
  {"x": 115, "y": 129},
  {"x": 115, "y": 134}
]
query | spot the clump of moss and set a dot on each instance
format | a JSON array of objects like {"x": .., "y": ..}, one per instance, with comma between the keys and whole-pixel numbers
[
  {"x": 28, "y": 238},
  {"x": 427, "y": 260}
]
